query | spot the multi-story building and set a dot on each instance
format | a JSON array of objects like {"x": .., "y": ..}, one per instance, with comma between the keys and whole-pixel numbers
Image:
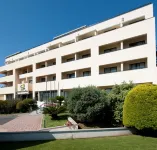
[{"x": 120, "y": 49}]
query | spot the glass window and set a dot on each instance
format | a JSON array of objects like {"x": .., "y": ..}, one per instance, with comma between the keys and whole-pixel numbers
[
  {"x": 72, "y": 75},
  {"x": 137, "y": 43},
  {"x": 110, "y": 50},
  {"x": 70, "y": 59},
  {"x": 86, "y": 55},
  {"x": 114, "y": 69},
  {"x": 107, "y": 70},
  {"x": 42, "y": 79},
  {"x": 137, "y": 66},
  {"x": 86, "y": 73},
  {"x": 110, "y": 70}
]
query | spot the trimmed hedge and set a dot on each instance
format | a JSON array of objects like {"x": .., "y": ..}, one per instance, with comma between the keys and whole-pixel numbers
[
  {"x": 26, "y": 105},
  {"x": 8, "y": 107},
  {"x": 140, "y": 107}
]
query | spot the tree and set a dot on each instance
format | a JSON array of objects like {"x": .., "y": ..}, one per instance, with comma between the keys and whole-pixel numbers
[
  {"x": 117, "y": 96},
  {"x": 88, "y": 104},
  {"x": 53, "y": 111}
]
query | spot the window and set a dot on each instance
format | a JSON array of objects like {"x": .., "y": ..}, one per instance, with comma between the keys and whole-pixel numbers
[
  {"x": 42, "y": 66},
  {"x": 110, "y": 50},
  {"x": 71, "y": 75},
  {"x": 70, "y": 59},
  {"x": 53, "y": 78},
  {"x": 54, "y": 63},
  {"x": 86, "y": 73},
  {"x": 137, "y": 43},
  {"x": 137, "y": 66},
  {"x": 86, "y": 55},
  {"x": 42, "y": 79},
  {"x": 110, "y": 70},
  {"x": 30, "y": 81}
]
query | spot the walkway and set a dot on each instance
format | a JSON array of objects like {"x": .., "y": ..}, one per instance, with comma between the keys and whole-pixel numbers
[{"x": 22, "y": 122}]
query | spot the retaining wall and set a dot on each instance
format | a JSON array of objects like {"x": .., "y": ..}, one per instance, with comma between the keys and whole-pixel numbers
[{"x": 53, "y": 135}]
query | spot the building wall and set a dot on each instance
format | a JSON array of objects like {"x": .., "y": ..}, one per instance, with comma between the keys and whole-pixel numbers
[{"x": 94, "y": 44}]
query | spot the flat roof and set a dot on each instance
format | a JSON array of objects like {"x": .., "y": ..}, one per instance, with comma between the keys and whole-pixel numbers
[{"x": 80, "y": 28}]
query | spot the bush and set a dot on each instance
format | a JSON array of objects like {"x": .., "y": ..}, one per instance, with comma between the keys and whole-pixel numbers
[
  {"x": 53, "y": 111},
  {"x": 140, "y": 107},
  {"x": 8, "y": 107},
  {"x": 26, "y": 105},
  {"x": 117, "y": 96},
  {"x": 88, "y": 104}
]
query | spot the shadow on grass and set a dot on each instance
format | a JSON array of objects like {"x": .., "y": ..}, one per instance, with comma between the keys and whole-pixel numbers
[
  {"x": 20, "y": 145},
  {"x": 63, "y": 116}
]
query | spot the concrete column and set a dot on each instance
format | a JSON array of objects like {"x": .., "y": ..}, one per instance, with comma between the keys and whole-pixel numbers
[
  {"x": 122, "y": 67},
  {"x": 76, "y": 39},
  {"x": 75, "y": 56},
  {"x": 75, "y": 74},
  {"x": 34, "y": 81},
  {"x": 39, "y": 96},
  {"x": 60, "y": 44},
  {"x": 95, "y": 32},
  {"x": 59, "y": 91},
  {"x": 121, "y": 45},
  {"x": 5, "y": 97},
  {"x": 14, "y": 82},
  {"x": 27, "y": 70},
  {"x": 45, "y": 63}
]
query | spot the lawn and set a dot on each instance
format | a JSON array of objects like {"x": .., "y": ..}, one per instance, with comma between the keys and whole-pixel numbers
[
  {"x": 53, "y": 123},
  {"x": 107, "y": 143}
]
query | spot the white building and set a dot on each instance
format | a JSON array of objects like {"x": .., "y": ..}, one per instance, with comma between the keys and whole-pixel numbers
[{"x": 119, "y": 49}]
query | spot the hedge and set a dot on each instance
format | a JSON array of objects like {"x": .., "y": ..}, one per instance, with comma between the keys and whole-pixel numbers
[{"x": 140, "y": 107}]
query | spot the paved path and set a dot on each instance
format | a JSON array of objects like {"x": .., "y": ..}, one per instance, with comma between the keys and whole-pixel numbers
[{"x": 24, "y": 122}]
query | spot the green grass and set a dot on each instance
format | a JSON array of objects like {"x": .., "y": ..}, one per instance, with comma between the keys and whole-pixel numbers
[
  {"x": 107, "y": 143},
  {"x": 53, "y": 123}
]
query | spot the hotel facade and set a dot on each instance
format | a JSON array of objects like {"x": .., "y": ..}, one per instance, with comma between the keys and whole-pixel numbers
[{"x": 119, "y": 49}]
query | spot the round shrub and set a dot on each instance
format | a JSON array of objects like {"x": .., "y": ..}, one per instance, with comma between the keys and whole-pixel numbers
[
  {"x": 19, "y": 105},
  {"x": 88, "y": 104},
  {"x": 140, "y": 107}
]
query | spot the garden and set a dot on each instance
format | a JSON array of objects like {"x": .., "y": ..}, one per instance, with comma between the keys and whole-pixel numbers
[{"x": 127, "y": 104}]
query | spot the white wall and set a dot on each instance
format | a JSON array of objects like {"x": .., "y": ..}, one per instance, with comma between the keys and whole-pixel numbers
[{"x": 119, "y": 35}]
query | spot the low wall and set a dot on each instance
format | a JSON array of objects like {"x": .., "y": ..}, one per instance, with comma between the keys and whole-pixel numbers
[{"x": 53, "y": 135}]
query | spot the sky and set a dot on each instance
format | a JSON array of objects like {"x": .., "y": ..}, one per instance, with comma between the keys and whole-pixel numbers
[{"x": 25, "y": 24}]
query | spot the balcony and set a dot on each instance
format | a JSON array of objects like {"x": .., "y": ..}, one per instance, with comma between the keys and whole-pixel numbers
[
  {"x": 68, "y": 58},
  {"x": 6, "y": 88},
  {"x": 46, "y": 86},
  {"x": 75, "y": 82},
  {"x": 47, "y": 63},
  {"x": 109, "y": 48},
  {"x": 136, "y": 41},
  {"x": 83, "y": 54},
  {"x": 7, "y": 79},
  {"x": 136, "y": 76},
  {"x": 25, "y": 72},
  {"x": 46, "y": 78}
]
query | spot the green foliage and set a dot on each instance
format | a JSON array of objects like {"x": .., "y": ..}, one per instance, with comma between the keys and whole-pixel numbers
[
  {"x": 140, "y": 107},
  {"x": 117, "y": 96},
  {"x": 8, "y": 107},
  {"x": 53, "y": 111},
  {"x": 88, "y": 104},
  {"x": 26, "y": 105},
  {"x": 60, "y": 99}
]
